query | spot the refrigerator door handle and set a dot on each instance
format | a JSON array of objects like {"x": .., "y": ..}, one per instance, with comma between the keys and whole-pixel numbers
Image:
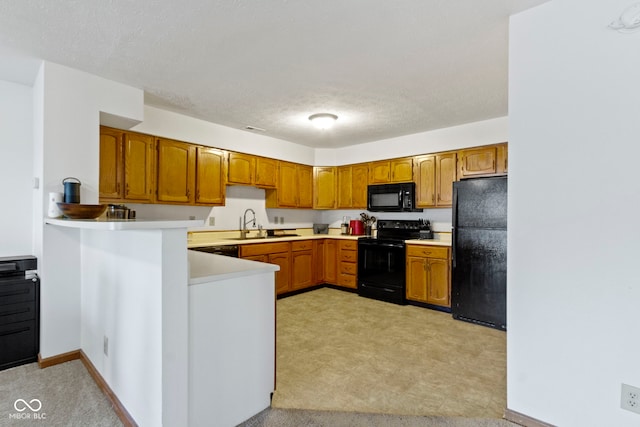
[{"x": 454, "y": 209}]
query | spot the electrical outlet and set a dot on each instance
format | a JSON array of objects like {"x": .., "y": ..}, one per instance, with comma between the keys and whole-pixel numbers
[
  {"x": 275, "y": 219},
  {"x": 105, "y": 346},
  {"x": 281, "y": 220},
  {"x": 212, "y": 220},
  {"x": 630, "y": 398}
]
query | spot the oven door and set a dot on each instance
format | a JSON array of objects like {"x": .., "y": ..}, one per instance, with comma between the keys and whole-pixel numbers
[{"x": 381, "y": 270}]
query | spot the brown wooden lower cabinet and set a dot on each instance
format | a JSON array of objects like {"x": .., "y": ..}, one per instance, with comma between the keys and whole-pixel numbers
[
  {"x": 301, "y": 264},
  {"x": 331, "y": 261},
  {"x": 429, "y": 274},
  {"x": 318, "y": 261},
  {"x": 272, "y": 253},
  {"x": 306, "y": 263},
  {"x": 348, "y": 264}
]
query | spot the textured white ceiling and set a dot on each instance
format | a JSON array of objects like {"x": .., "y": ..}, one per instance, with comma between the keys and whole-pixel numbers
[{"x": 386, "y": 68}]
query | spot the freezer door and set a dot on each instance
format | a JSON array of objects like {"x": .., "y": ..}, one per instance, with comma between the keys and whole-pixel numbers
[
  {"x": 480, "y": 203},
  {"x": 479, "y": 277}
]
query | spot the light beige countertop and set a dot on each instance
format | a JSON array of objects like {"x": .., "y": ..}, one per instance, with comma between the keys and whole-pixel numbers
[{"x": 211, "y": 238}]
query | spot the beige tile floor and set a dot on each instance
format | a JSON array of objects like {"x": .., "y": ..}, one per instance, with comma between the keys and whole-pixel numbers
[{"x": 339, "y": 351}]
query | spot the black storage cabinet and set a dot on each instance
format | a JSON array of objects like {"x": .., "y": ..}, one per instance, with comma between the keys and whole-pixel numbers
[{"x": 19, "y": 311}]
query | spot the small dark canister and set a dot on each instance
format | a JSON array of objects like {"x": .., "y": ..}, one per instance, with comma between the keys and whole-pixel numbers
[{"x": 71, "y": 190}]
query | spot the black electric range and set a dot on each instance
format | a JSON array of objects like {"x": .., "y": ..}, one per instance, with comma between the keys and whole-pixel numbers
[{"x": 381, "y": 259}]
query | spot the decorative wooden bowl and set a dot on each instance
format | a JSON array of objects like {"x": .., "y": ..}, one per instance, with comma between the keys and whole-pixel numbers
[{"x": 78, "y": 211}]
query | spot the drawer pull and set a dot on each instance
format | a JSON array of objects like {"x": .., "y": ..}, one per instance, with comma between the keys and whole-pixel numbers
[
  {"x": 15, "y": 311},
  {"x": 16, "y": 292},
  {"x": 15, "y": 331}
]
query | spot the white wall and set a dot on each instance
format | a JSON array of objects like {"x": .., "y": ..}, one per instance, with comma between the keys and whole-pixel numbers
[
  {"x": 67, "y": 105},
  {"x": 16, "y": 169},
  {"x": 468, "y": 135},
  {"x": 176, "y": 126},
  {"x": 135, "y": 297},
  {"x": 573, "y": 287}
]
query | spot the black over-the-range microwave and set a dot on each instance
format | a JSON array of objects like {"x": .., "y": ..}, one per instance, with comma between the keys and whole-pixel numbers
[{"x": 392, "y": 197}]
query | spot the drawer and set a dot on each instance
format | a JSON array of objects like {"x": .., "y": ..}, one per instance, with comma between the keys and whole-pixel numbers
[
  {"x": 428, "y": 251},
  {"x": 347, "y": 280},
  {"x": 351, "y": 245},
  {"x": 18, "y": 343},
  {"x": 19, "y": 312},
  {"x": 263, "y": 248},
  {"x": 349, "y": 268},
  {"x": 19, "y": 290},
  {"x": 303, "y": 245},
  {"x": 349, "y": 256}
]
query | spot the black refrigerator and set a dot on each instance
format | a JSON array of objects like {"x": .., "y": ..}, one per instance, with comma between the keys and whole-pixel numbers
[{"x": 479, "y": 245}]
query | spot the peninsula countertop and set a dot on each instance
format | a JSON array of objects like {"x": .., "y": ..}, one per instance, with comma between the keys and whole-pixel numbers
[{"x": 205, "y": 268}]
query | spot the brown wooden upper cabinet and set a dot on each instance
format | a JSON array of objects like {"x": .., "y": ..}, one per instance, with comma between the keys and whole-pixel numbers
[
  {"x": 394, "y": 170},
  {"x": 210, "y": 176},
  {"x": 246, "y": 169},
  {"x": 480, "y": 161},
  {"x": 176, "y": 172},
  {"x": 434, "y": 176},
  {"x": 294, "y": 189},
  {"x": 127, "y": 161},
  {"x": 324, "y": 187},
  {"x": 352, "y": 186}
]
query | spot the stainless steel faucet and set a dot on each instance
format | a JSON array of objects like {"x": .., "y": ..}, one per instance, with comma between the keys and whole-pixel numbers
[{"x": 244, "y": 230}]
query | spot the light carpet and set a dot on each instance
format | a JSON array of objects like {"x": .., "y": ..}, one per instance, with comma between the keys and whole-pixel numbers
[{"x": 67, "y": 393}]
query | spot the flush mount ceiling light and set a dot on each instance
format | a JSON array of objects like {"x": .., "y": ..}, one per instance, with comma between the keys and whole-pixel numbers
[{"x": 323, "y": 120}]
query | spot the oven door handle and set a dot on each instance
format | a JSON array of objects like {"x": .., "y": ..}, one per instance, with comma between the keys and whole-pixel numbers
[{"x": 383, "y": 245}]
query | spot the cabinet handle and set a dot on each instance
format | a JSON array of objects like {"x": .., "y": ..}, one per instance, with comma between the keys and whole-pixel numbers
[
  {"x": 493, "y": 164},
  {"x": 126, "y": 191}
]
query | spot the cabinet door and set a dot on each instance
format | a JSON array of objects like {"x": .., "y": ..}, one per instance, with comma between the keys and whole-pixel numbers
[
  {"x": 416, "y": 278},
  {"x": 324, "y": 182},
  {"x": 139, "y": 163},
  {"x": 301, "y": 269},
  {"x": 502, "y": 166},
  {"x": 331, "y": 261},
  {"x": 210, "y": 176},
  {"x": 478, "y": 161},
  {"x": 283, "y": 282},
  {"x": 379, "y": 172},
  {"x": 344, "y": 187},
  {"x": 305, "y": 186},
  {"x": 318, "y": 261},
  {"x": 240, "y": 169},
  {"x": 288, "y": 186},
  {"x": 111, "y": 163},
  {"x": 359, "y": 182},
  {"x": 425, "y": 181},
  {"x": 401, "y": 170},
  {"x": 438, "y": 288},
  {"x": 266, "y": 175},
  {"x": 445, "y": 175},
  {"x": 176, "y": 171}
]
